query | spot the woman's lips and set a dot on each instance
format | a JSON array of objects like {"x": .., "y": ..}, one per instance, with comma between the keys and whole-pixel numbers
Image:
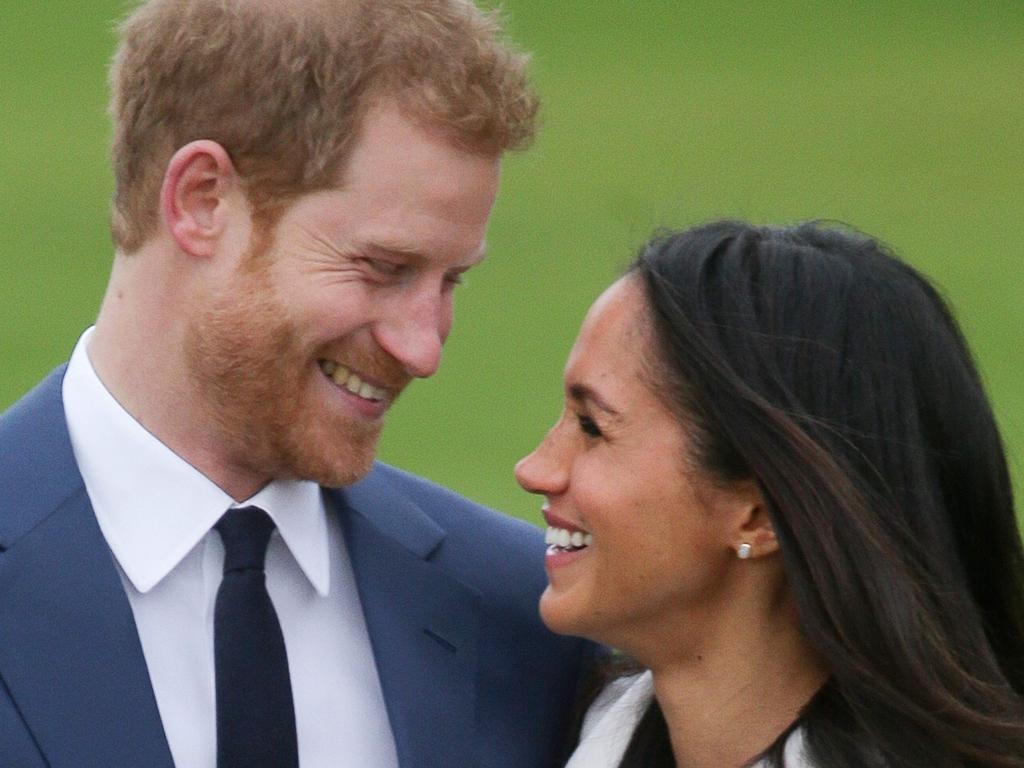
[
  {"x": 566, "y": 541},
  {"x": 554, "y": 521}
]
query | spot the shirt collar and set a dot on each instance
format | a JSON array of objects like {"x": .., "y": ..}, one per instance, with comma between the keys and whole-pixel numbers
[{"x": 153, "y": 506}]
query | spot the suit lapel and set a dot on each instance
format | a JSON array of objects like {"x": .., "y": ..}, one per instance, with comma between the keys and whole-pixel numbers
[
  {"x": 423, "y": 624},
  {"x": 69, "y": 650}
]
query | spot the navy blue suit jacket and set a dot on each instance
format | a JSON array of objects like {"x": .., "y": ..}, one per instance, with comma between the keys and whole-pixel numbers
[{"x": 449, "y": 589}]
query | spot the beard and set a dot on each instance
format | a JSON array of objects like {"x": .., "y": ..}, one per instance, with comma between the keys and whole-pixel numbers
[{"x": 263, "y": 392}]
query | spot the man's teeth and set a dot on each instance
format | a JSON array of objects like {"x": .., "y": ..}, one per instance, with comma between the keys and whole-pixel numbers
[
  {"x": 343, "y": 377},
  {"x": 566, "y": 539}
]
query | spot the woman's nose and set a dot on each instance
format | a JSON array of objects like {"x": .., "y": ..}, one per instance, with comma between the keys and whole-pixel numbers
[{"x": 543, "y": 471}]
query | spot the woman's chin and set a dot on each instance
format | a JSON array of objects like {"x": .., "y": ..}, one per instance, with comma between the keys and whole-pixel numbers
[{"x": 565, "y": 616}]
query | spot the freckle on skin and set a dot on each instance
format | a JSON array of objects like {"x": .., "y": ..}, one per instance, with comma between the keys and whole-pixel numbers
[{"x": 120, "y": 294}]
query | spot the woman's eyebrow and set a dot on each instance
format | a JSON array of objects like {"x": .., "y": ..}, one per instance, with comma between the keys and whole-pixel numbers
[{"x": 584, "y": 393}]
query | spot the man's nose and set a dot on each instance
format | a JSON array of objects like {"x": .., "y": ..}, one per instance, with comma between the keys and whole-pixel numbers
[{"x": 414, "y": 332}]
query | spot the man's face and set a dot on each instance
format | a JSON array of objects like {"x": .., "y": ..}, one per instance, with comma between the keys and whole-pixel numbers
[{"x": 299, "y": 351}]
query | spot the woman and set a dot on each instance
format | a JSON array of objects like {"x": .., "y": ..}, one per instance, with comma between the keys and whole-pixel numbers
[{"x": 778, "y": 486}]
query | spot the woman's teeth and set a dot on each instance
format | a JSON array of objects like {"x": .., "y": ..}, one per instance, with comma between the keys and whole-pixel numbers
[
  {"x": 345, "y": 378},
  {"x": 562, "y": 538}
]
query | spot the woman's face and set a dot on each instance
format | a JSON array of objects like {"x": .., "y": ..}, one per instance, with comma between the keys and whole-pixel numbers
[{"x": 616, "y": 477}]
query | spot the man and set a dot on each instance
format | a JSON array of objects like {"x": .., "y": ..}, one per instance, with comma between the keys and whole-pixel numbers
[{"x": 299, "y": 186}]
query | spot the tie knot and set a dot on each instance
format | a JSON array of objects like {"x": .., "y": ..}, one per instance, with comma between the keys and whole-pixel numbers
[{"x": 245, "y": 532}]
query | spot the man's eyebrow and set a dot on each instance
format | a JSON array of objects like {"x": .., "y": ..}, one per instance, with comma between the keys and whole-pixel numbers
[
  {"x": 584, "y": 393},
  {"x": 399, "y": 251},
  {"x": 394, "y": 250}
]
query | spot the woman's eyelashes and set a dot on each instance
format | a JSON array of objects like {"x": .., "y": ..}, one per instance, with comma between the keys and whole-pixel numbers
[{"x": 588, "y": 426}]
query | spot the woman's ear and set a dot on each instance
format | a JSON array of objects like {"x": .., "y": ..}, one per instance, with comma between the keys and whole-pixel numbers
[
  {"x": 196, "y": 195},
  {"x": 753, "y": 534}
]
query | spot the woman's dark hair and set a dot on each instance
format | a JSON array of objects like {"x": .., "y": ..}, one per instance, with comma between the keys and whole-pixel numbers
[{"x": 811, "y": 359}]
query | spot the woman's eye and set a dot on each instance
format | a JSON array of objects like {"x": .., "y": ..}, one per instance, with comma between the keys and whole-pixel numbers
[{"x": 588, "y": 425}]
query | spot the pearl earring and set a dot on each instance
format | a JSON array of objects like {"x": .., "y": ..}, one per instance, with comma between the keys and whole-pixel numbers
[{"x": 743, "y": 551}]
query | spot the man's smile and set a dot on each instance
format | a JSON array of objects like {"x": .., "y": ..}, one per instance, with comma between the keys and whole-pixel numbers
[{"x": 352, "y": 381}]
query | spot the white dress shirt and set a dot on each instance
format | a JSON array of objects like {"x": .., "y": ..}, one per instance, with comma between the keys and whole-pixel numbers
[
  {"x": 157, "y": 512},
  {"x": 610, "y": 721}
]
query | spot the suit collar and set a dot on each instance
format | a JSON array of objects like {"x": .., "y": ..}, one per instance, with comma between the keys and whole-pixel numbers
[
  {"x": 69, "y": 651},
  {"x": 392, "y": 513},
  {"x": 38, "y": 472},
  {"x": 423, "y": 623}
]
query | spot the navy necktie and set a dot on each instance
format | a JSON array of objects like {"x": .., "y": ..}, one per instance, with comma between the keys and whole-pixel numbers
[{"x": 255, "y": 713}]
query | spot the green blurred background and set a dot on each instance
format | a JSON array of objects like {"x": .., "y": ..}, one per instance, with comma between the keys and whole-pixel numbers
[{"x": 903, "y": 118}]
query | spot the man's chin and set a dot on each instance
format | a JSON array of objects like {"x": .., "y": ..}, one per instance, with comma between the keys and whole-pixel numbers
[
  {"x": 343, "y": 478},
  {"x": 336, "y": 469}
]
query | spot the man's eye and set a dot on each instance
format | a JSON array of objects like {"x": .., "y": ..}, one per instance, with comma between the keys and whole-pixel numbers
[
  {"x": 588, "y": 425},
  {"x": 385, "y": 268}
]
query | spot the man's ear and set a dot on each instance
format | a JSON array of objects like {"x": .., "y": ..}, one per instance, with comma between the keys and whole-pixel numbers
[
  {"x": 753, "y": 534},
  {"x": 194, "y": 198}
]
